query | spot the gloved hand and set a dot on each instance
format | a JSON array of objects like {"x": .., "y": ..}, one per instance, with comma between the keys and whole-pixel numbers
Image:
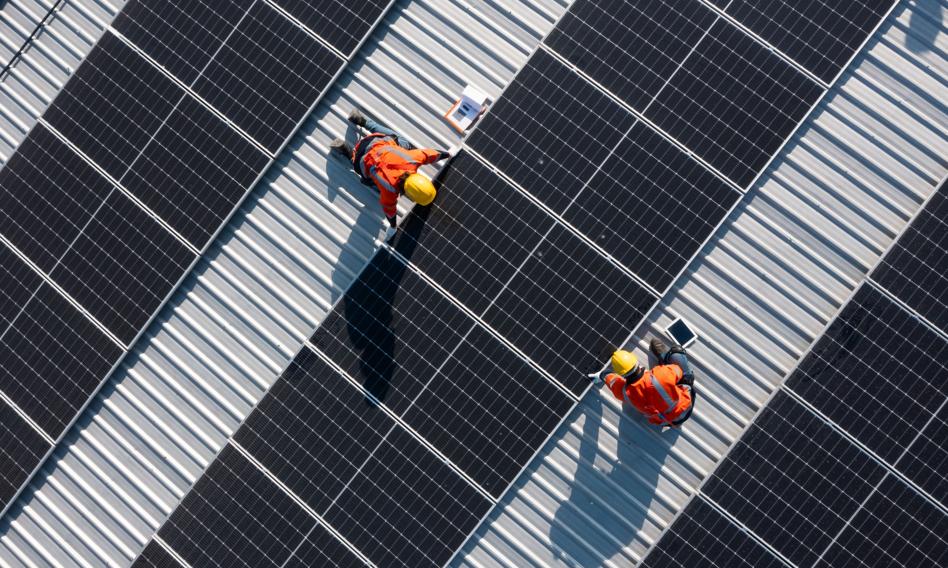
[
  {"x": 389, "y": 233},
  {"x": 443, "y": 154},
  {"x": 596, "y": 378}
]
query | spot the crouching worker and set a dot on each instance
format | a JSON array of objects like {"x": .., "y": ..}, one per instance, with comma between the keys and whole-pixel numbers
[
  {"x": 665, "y": 394},
  {"x": 390, "y": 164}
]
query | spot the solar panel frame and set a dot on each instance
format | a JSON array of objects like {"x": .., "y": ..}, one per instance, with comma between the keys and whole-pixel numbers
[{"x": 25, "y": 445}]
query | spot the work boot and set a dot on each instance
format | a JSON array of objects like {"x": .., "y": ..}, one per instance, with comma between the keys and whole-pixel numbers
[
  {"x": 357, "y": 118},
  {"x": 658, "y": 348},
  {"x": 339, "y": 145}
]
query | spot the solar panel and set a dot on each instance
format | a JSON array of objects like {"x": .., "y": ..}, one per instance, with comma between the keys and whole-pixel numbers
[
  {"x": 322, "y": 548},
  {"x": 894, "y": 527},
  {"x": 915, "y": 270},
  {"x": 877, "y": 372},
  {"x": 267, "y": 75},
  {"x": 568, "y": 308},
  {"x": 236, "y": 516},
  {"x": 651, "y": 206},
  {"x": 701, "y": 536},
  {"x": 406, "y": 507},
  {"x": 819, "y": 35},
  {"x": 49, "y": 195},
  {"x": 793, "y": 480},
  {"x": 19, "y": 284},
  {"x": 550, "y": 130},
  {"x": 630, "y": 47},
  {"x": 155, "y": 556},
  {"x": 22, "y": 448},
  {"x": 733, "y": 102},
  {"x": 343, "y": 24},
  {"x": 122, "y": 266},
  {"x": 53, "y": 359},
  {"x": 475, "y": 236}
]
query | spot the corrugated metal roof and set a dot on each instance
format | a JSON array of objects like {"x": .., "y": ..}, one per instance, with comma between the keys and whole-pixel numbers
[
  {"x": 606, "y": 485},
  {"x": 296, "y": 244},
  {"x": 48, "y": 60}
]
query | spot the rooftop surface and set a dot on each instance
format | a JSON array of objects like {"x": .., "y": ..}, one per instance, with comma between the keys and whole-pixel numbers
[{"x": 605, "y": 486}]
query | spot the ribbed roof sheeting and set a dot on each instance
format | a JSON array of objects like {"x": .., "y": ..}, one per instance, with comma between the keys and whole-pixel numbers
[
  {"x": 47, "y": 61},
  {"x": 296, "y": 244},
  {"x": 606, "y": 485}
]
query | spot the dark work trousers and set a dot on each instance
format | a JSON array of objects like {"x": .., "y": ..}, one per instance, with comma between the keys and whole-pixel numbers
[{"x": 688, "y": 379}]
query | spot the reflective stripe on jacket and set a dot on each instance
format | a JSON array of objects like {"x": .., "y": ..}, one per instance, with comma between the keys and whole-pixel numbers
[
  {"x": 656, "y": 394},
  {"x": 379, "y": 158}
]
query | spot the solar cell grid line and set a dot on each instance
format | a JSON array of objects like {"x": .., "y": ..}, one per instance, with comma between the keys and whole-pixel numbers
[
  {"x": 156, "y": 556},
  {"x": 924, "y": 461},
  {"x": 18, "y": 284},
  {"x": 49, "y": 195},
  {"x": 821, "y": 36},
  {"x": 485, "y": 417},
  {"x": 550, "y": 130},
  {"x": 54, "y": 358},
  {"x": 236, "y": 516},
  {"x": 894, "y": 526},
  {"x": 651, "y": 206},
  {"x": 915, "y": 269},
  {"x": 793, "y": 480},
  {"x": 898, "y": 362},
  {"x": 268, "y": 75},
  {"x": 341, "y": 23},
  {"x": 22, "y": 448},
  {"x": 739, "y": 127},
  {"x": 630, "y": 47},
  {"x": 702, "y": 536}
]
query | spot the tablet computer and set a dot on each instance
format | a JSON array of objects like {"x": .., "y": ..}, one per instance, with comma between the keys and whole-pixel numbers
[{"x": 681, "y": 333}]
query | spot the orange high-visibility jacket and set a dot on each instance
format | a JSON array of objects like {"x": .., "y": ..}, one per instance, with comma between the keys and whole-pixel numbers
[
  {"x": 387, "y": 164},
  {"x": 656, "y": 394}
]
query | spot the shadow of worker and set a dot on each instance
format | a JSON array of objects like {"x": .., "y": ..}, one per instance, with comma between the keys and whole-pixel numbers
[
  {"x": 925, "y": 24},
  {"x": 370, "y": 308},
  {"x": 614, "y": 487}
]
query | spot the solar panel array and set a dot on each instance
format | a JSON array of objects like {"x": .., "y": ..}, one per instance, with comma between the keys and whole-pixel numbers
[
  {"x": 606, "y": 164},
  {"x": 131, "y": 171},
  {"x": 848, "y": 464}
]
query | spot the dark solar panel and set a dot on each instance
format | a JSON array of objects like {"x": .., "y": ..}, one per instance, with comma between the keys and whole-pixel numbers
[
  {"x": 154, "y": 556},
  {"x": 925, "y": 461},
  {"x": 568, "y": 308},
  {"x": 341, "y": 23},
  {"x": 21, "y": 448},
  {"x": 895, "y": 527},
  {"x": 53, "y": 359},
  {"x": 194, "y": 171},
  {"x": 122, "y": 266},
  {"x": 793, "y": 480},
  {"x": 113, "y": 104},
  {"x": 733, "y": 102},
  {"x": 488, "y": 410},
  {"x": 19, "y": 282},
  {"x": 916, "y": 268},
  {"x": 877, "y": 372},
  {"x": 702, "y": 536},
  {"x": 406, "y": 507},
  {"x": 322, "y": 548},
  {"x": 630, "y": 47},
  {"x": 313, "y": 430},
  {"x": 391, "y": 331},
  {"x": 181, "y": 35},
  {"x": 235, "y": 516},
  {"x": 267, "y": 75},
  {"x": 651, "y": 206},
  {"x": 820, "y": 35},
  {"x": 550, "y": 130}
]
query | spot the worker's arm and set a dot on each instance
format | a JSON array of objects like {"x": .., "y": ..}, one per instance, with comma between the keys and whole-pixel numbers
[
  {"x": 428, "y": 155},
  {"x": 616, "y": 384},
  {"x": 389, "y": 202}
]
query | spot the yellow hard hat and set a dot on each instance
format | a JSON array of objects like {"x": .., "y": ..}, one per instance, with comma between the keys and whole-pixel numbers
[
  {"x": 419, "y": 189},
  {"x": 623, "y": 362}
]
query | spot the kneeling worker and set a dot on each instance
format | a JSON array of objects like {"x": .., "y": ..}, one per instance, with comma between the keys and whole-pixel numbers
[
  {"x": 665, "y": 394},
  {"x": 391, "y": 164}
]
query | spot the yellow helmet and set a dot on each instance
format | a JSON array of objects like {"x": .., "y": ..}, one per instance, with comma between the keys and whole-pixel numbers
[
  {"x": 419, "y": 189},
  {"x": 623, "y": 362}
]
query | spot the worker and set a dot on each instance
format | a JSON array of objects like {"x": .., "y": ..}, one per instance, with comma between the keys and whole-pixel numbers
[
  {"x": 390, "y": 163},
  {"x": 665, "y": 394}
]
